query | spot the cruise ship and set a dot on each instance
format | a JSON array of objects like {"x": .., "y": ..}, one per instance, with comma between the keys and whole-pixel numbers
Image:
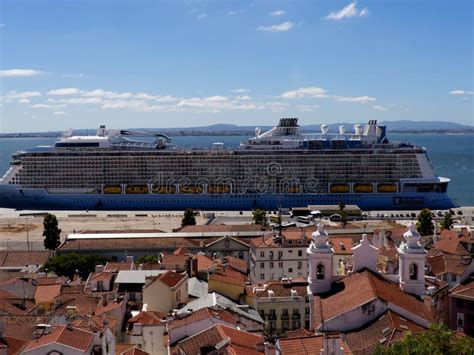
[{"x": 279, "y": 168}]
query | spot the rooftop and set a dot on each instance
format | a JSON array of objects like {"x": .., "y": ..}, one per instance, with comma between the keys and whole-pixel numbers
[
  {"x": 136, "y": 276},
  {"x": 305, "y": 345},
  {"x": 228, "y": 275},
  {"x": 148, "y": 318},
  {"x": 200, "y": 314},
  {"x": 220, "y": 337},
  {"x": 71, "y": 337},
  {"x": 47, "y": 293},
  {"x": 118, "y": 266},
  {"x": 464, "y": 290}
]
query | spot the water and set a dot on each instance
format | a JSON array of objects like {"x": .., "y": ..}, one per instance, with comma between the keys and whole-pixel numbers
[{"x": 451, "y": 155}]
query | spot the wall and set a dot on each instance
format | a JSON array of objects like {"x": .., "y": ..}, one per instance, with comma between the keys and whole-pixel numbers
[
  {"x": 229, "y": 290},
  {"x": 193, "y": 328}
]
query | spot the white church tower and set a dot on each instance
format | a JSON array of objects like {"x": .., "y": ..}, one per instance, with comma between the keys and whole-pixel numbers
[
  {"x": 320, "y": 255},
  {"x": 412, "y": 262}
]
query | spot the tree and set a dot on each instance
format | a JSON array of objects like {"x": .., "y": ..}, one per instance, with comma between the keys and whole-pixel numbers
[
  {"x": 188, "y": 218},
  {"x": 51, "y": 232},
  {"x": 145, "y": 259},
  {"x": 425, "y": 223},
  {"x": 68, "y": 264},
  {"x": 447, "y": 221},
  {"x": 437, "y": 340},
  {"x": 260, "y": 217},
  {"x": 342, "y": 207}
]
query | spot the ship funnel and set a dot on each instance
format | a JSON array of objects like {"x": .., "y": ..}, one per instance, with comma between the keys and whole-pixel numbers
[
  {"x": 342, "y": 130},
  {"x": 257, "y": 132},
  {"x": 324, "y": 128},
  {"x": 358, "y": 129},
  {"x": 101, "y": 130}
]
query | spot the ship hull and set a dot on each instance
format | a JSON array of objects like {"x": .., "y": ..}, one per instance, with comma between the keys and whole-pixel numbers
[{"x": 12, "y": 196}]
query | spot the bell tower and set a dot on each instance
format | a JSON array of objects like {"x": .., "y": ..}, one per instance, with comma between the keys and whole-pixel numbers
[
  {"x": 412, "y": 262},
  {"x": 320, "y": 255}
]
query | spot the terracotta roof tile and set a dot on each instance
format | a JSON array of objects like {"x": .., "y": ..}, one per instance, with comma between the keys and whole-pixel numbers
[
  {"x": 201, "y": 314},
  {"x": 103, "y": 275},
  {"x": 341, "y": 245},
  {"x": 282, "y": 289},
  {"x": 107, "y": 308},
  {"x": 450, "y": 242},
  {"x": 204, "y": 262},
  {"x": 135, "y": 351},
  {"x": 228, "y": 275},
  {"x": 129, "y": 244},
  {"x": 49, "y": 280},
  {"x": 118, "y": 266},
  {"x": 298, "y": 333},
  {"x": 121, "y": 348},
  {"x": 74, "y": 338},
  {"x": 150, "y": 266},
  {"x": 241, "y": 343},
  {"x": 15, "y": 345},
  {"x": 222, "y": 228},
  {"x": 148, "y": 318},
  {"x": 171, "y": 278},
  {"x": 181, "y": 251},
  {"x": 464, "y": 290},
  {"x": 362, "y": 287},
  {"x": 445, "y": 263},
  {"x": 302, "y": 345},
  {"x": 20, "y": 331},
  {"x": 174, "y": 261},
  {"x": 47, "y": 293},
  {"x": 387, "y": 329},
  {"x": 23, "y": 258}
]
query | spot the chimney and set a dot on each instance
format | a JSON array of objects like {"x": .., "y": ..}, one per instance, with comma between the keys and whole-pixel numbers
[
  {"x": 130, "y": 259},
  {"x": 99, "y": 268}
]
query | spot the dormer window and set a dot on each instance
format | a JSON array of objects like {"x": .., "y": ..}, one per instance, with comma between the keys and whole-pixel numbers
[
  {"x": 413, "y": 271},
  {"x": 320, "y": 272}
]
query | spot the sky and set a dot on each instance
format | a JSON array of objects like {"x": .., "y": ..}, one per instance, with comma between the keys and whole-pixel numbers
[{"x": 144, "y": 63}]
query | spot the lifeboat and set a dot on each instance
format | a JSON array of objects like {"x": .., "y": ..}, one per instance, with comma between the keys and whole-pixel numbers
[
  {"x": 191, "y": 189},
  {"x": 136, "y": 189},
  {"x": 112, "y": 189},
  {"x": 387, "y": 188},
  {"x": 339, "y": 188},
  {"x": 218, "y": 189},
  {"x": 363, "y": 188},
  {"x": 163, "y": 189},
  {"x": 292, "y": 189}
]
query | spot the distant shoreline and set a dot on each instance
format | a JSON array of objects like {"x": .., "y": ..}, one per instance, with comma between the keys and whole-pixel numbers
[{"x": 191, "y": 133}]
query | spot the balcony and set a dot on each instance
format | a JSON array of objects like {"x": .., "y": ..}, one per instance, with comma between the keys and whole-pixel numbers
[
  {"x": 285, "y": 316},
  {"x": 296, "y": 316},
  {"x": 271, "y": 317}
]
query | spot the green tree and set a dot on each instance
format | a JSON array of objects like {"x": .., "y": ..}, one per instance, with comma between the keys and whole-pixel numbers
[
  {"x": 51, "y": 232},
  {"x": 145, "y": 259},
  {"x": 343, "y": 213},
  {"x": 188, "y": 218},
  {"x": 67, "y": 264},
  {"x": 425, "y": 222},
  {"x": 447, "y": 221},
  {"x": 260, "y": 217},
  {"x": 437, "y": 340}
]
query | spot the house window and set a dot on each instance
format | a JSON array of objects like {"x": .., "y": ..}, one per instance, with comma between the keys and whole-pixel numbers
[
  {"x": 100, "y": 285},
  {"x": 280, "y": 264},
  {"x": 280, "y": 254},
  {"x": 241, "y": 254},
  {"x": 306, "y": 310},
  {"x": 271, "y": 254},
  {"x": 285, "y": 325},
  {"x": 460, "y": 320},
  {"x": 296, "y": 324},
  {"x": 320, "y": 272},
  {"x": 300, "y": 252},
  {"x": 413, "y": 271},
  {"x": 262, "y": 276},
  {"x": 271, "y": 264},
  {"x": 453, "y": 278},
  {"x": 262, "y": 254},
  {"x": 290, "y": 242},
  {"x": 300, "y": 265},
  {"x": 262, "y": 313},
  {"x": 290, "y": 269},
  {"x": 262, "y": 265},
  {"x": 285, "y": 311}
]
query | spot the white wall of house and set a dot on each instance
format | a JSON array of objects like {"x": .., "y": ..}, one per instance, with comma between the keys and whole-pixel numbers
[
  {"x": 161, "y": 298},
  {"x": 150, "y": 337},
  {"x": 61, "y": 349},
  {"x": 275, "y": 263}
]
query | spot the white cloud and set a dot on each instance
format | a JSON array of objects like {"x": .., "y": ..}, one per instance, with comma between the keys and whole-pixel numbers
[
  {"x": 24, "y": 101},
  {"x": 241, "y": 90},
  {"x": 64, "y": 92},
  {"x": 167, "y": 98},
  {"x": 234, "y": 12},
  {"x": 311, "y": 91},
  {"x": 307, "y": 108},
  {"x": 380, "y": 108},
  {"x": 461, "y": 92},
  {"x": 201, "y": 16},
  {"x": 346, "y": 12},
  {"x": 48, "y": 106},
  {"x": 12, "y": 73},
  {"x": 243, "y": 98},
  {"x": 282, "y": 27},
  {"x": 78, "y": 101},
  {"x": 17, "y": 96},
  {"x": 277, "y": 13},
  {"x": 358, "y": 99},
  {"x": 59, "y": 113}
]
